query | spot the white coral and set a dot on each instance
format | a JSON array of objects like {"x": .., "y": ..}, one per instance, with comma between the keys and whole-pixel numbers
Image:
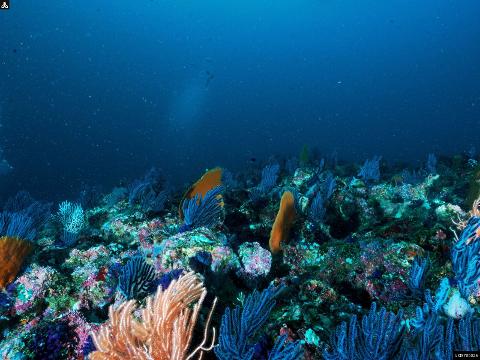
[
  {"x": 457, "y": 307},
  {"x": 72, "y": 217}
]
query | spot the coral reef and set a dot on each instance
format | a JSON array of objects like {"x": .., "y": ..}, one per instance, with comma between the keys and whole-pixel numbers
[{"x": 292, "y": 259}]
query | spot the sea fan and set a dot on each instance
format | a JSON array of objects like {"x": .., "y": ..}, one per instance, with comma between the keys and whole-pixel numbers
[
  {"x": 206, "y": 211},
  {"x": 378, "y": 336},
  {"x": 240, "y": 325},
  {"x": 136, "y": 278}
]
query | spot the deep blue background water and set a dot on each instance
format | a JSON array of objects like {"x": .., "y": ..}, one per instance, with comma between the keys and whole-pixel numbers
[{"x": 98, "y": 92}]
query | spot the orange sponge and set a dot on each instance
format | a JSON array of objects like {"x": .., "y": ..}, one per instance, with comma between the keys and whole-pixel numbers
[
  {"x": 283, "y": 222},
  {"x": 207, "y": 182},
  {"x": 12, "y": 253}
]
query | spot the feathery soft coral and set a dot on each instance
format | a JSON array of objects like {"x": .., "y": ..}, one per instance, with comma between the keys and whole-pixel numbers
[{"x": 164, "y": 330}]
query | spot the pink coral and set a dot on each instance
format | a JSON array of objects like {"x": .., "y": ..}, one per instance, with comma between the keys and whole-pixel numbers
[
  {"x": 32, "y": 287},
  {"x": 256, "y": 260}
]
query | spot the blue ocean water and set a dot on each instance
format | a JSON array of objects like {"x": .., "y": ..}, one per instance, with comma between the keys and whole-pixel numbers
[{"x": 98, "y": 92}]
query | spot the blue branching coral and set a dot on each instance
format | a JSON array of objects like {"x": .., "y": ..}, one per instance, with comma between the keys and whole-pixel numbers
[
  {"x": 165, "y": 280},
  {"x": 466, "y": 258},
  {"x": 323, "y": 192},
  {"x": 149, "y": 192},
  {"x": 268, "y": 181},
  {"x": 39, "y": 212},
  {"x": 418, "y": 273},
  {"x": 469, "y": 333},
  {"x": 317, "y": 209},
  {"x": 240, "y": 325},
  {"x": 23, "y": 216},
  {"x": 378, "y": 336},
  {"x": 17, "y": 224},
  {"x": 383, "y": 335},
  {"x": 285, "y": 351},
  {"x": 370, "y": 171},
  {"x": 437, "y": 338},
  {"x": 136, "y": 278},
  {"x": 206, "y": 211}
]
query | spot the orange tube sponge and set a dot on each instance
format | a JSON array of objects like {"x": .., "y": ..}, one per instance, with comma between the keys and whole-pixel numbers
[
  {"x": 13, "y": 252},
  {"x": 207, "y": 182},
  {"x": 283, "y": 222}
]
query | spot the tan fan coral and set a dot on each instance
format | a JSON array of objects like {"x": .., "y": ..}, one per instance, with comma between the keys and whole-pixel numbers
[
  {"x": 208, "y": 181},
  {"x": 13, "y": 252},
  {"x": 283, "y": 222},
  {"x": 164, "y": 329}
]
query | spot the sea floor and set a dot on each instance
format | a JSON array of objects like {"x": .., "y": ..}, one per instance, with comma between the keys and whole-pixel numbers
[{"x": 298, "y": 247}]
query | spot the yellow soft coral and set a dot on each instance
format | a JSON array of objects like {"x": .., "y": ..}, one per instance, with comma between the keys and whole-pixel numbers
[
  {"x": 13, "y": 252},
  {"x": 283, "y": 222},
  {"x": 164, "y": 330}
]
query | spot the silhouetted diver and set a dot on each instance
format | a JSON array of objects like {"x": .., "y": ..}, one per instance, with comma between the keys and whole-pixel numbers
[{"x": 210, "y": 77}]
